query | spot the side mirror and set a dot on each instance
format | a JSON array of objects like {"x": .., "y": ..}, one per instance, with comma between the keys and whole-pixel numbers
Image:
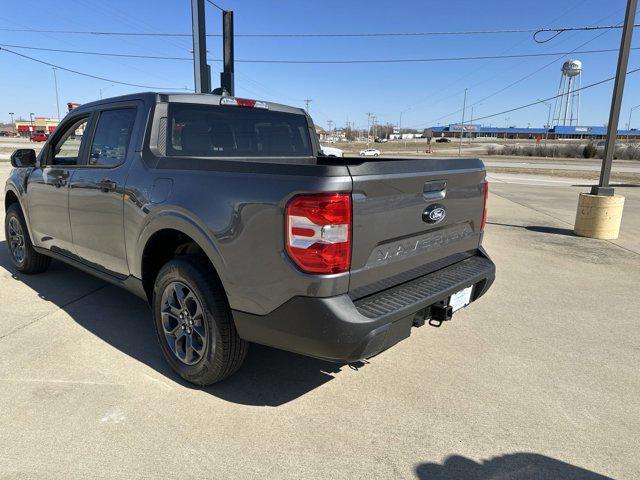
[{"x": 23, "y": 157}]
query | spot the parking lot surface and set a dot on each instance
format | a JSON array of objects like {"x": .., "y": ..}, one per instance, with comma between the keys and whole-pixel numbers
[{"x": 539, "y": 379}]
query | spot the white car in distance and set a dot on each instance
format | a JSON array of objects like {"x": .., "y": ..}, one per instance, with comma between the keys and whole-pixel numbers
[{"x": 370, "y": 152}]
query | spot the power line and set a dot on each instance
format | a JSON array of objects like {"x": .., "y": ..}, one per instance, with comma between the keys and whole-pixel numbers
[
  {"x": 606, "y": 80},
  {"x": 90, "y": 75},
  {"x": 529, "y": 75},
  {"x": 559, "y": 15},
  {"x": 535, "y": 31},
  {"x": 558, "y": 31},
  {"x": 337, "y": 61}
]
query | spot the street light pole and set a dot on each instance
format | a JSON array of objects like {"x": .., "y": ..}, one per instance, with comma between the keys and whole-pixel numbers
[
  {"x": 629, "y": 123},
  {"x": 547, "y": 126},
  {"x": 104, "y": 89},
  {"x": 464, "y": 107},
  {"x": 599, "y": 214},
  {"x": 603, "y": 187},
  {"x": 55, "y": 82},
  {"x": 471, "y": 125}
]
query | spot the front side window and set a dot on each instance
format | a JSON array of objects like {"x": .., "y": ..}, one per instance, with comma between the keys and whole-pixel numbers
[
  {"x": 67, "y": 149},
  {"x": 229, "y": 131},
  {"x": 110, "y": 142}
]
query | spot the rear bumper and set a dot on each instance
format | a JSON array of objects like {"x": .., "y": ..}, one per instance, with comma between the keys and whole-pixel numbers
[{"x": 343, "y": 330}]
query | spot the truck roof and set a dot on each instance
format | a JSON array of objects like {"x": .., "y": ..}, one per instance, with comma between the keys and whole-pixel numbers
[{"x": 181, "y": 97}]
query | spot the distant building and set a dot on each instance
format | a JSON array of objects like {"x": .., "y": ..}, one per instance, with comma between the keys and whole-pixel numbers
[
  {"x": 557, "y": 132},
  {"x": 39, "y": 125}
]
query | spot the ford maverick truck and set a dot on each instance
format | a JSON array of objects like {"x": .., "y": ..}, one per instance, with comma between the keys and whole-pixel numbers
[{"x": 225, "y": 215}]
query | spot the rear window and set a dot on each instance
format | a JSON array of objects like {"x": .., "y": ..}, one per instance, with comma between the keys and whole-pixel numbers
[{"x": 229, "y": 131}]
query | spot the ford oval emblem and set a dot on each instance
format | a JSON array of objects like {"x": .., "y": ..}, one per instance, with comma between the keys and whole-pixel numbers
[{"x": 434, "y": 213}]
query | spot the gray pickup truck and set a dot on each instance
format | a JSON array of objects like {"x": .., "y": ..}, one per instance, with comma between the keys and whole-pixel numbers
[{"x": 226, "y": 217}]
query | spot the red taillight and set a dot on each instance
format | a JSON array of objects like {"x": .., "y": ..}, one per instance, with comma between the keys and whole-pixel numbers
[
  {"x": 484, "y": 211},
  {"x": 318, "y": 232}
]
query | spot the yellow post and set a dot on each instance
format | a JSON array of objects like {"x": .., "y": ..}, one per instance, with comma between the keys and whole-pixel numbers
[{"x": 599, "y": 216}]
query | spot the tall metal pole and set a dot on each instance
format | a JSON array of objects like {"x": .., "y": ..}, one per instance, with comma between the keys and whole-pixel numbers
[
  {"x": 603, "y": 187},
  {"x": 55, "y": 81},
  {"x": 547, "y": 125},
  {"x": 464, "y": 107},
  {"x": 470, "y": 125},
  {"x": 226, "y": 76},
  {"x": 202, "y": 76},
  {"x": 307, "y": 101},
  {"x": 12, "y": 114},
  {"x": 629, "y": 123}
]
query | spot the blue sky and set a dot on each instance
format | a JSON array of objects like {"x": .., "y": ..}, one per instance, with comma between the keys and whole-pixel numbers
[{"x": 425, "y": 92}]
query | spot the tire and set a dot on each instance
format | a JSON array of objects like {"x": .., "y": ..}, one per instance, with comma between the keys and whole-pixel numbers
[
  {"x": 185, "y": 285},
  {"x": 21, "y": 252}
]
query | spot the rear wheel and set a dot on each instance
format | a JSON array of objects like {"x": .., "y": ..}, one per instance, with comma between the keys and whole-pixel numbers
[
  {"x": 23, "y": 256},
  {"x": 193, "y": 323}
]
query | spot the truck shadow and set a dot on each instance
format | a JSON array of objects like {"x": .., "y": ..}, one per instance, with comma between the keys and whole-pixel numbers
[
  {"x": 268, "y": 377},
  {"x": 538, "y": 228},
  {"x": 517, "y": 466}
]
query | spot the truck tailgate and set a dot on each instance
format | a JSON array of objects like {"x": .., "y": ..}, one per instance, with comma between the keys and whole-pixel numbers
[{"x": 394, "y": 239}]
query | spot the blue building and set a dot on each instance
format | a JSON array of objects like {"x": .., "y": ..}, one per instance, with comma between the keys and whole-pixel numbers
[{"x": 557, "y": 132}]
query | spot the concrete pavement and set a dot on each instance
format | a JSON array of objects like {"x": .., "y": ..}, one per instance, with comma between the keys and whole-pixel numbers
[{"x": 539, "y": 379}]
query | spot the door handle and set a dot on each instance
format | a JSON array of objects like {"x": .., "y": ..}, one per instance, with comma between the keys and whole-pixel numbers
[
  {"x": 107, "y": 185},
  {"x": 434, "y": 190}
]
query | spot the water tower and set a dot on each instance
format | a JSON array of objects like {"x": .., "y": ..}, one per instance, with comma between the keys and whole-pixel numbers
[{"x": 567, "y": 107}]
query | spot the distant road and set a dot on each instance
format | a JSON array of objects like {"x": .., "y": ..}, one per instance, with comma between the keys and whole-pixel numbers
[{"x": 573, "y": 164}]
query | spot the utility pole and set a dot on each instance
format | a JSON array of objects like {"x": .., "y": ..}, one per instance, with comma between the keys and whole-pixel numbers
[
  {"x": 330, "y": 123},
  {"x": 31, "y": 117},
  {"x": 201, "y": 71},
  {"x": 603, "y": 187},
  {"x": 464, "y": 107},
  {"x": 369, "y": 114},
  {"x": 307, "y": 101},
  {"x": 55, "y": 81}
]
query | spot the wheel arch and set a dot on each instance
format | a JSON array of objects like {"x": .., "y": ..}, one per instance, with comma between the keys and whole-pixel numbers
[
  {"x": 168, "y": 235},
  {"x": 10, "y": 197}
]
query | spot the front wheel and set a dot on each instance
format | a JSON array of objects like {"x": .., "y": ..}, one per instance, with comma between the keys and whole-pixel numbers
[
  {"x": 23, "y": 256},
  {"x": 193, "y": 323}
]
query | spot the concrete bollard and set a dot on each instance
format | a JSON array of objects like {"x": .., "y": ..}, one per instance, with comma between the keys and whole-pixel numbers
[{"x": 599, "y": 216}]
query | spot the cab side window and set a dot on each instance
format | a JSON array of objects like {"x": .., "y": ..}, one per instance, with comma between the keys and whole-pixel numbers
[
  {"x": 110, "y": 142},
  {"x": 66, "y": 150}
]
